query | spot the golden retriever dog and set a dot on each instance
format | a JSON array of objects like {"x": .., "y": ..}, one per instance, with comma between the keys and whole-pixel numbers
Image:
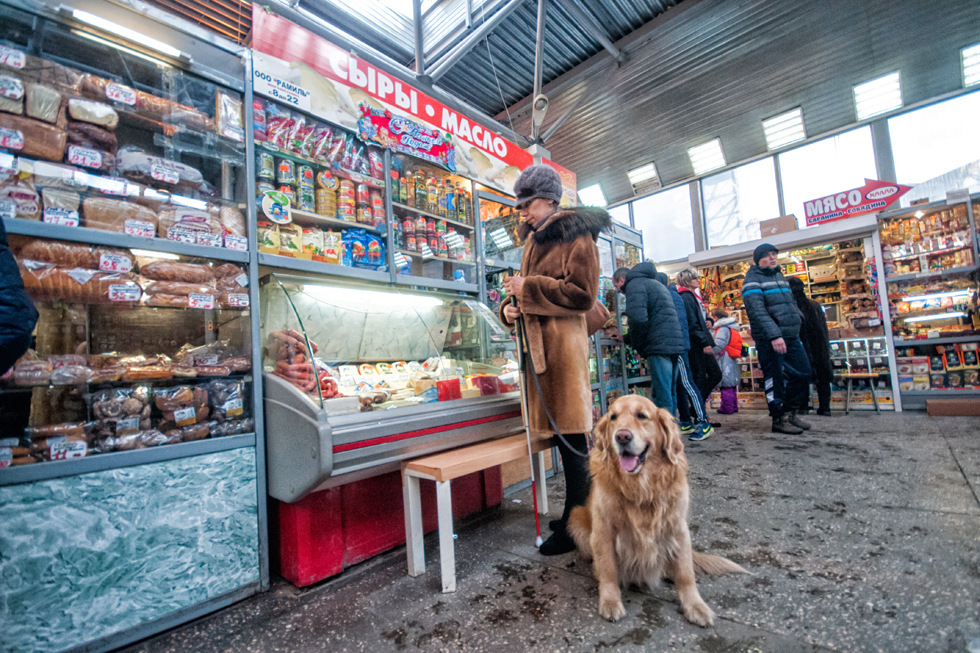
[{"x": 634, "y": 526}]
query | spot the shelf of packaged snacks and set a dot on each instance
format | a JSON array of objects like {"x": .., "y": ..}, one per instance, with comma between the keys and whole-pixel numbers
[
  {"x": 930, "y": 253},
  {"x": 107, "y": 385},
  {"x": 412, "y": 209},
  {"x": 427, "y": 259},
  {"x": 930, "y": 273},
  {"x": 355, "y": 177},
  {"x": 332, "y": 222},
  {"x": 443, "y": 284},
  {"x": 114, "y": 460},
  {"x": 953, "y": 340},
  {"x": 638, "y": 379},
  {"x": 99, "y": 237},
  {"x": 289, "y": 263}
]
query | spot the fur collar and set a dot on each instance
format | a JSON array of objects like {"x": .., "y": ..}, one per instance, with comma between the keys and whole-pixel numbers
[{"x": 568, "y": 225}]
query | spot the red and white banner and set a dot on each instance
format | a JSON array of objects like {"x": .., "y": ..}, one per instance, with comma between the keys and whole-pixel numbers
[
  {"x": 874, "y": 196},
  {"x": 300, "y": 69}
]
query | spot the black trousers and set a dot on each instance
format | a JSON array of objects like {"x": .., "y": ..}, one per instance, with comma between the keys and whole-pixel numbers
[{"x": 705, "y": 371}]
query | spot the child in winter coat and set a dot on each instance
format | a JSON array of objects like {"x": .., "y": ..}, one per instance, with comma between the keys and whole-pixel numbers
[{"x": 727, "y": 341}]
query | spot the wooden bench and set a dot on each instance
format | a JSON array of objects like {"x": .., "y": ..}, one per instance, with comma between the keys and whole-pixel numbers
[{"x": 443, "y": 468}]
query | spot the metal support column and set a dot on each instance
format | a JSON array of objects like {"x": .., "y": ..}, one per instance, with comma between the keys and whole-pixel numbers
[
  {"x": 886, "y": 320},
  {"x": 538, "y": 64},
  {"x": 882, "y": 143},
  {"x": 697, "y": 218},
  {"x": 419, "y": 49}
]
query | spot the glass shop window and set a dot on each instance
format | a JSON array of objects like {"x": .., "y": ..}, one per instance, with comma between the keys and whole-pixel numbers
[
  {"x": 937, "y": 148},
  {"x": 621, "y": 214},
  {"x": 736, "y": 200},
  {"x": 828, "y": 166},
  {"x": 667, "y": 224}
]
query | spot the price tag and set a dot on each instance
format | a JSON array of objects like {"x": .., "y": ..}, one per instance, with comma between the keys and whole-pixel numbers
[
  {"x": 140, "y": 228},
  {"x": 8, "y": 210},
  {"x": 209, "y": 239},
  {"x": 68, "y": 450},
  {"x": 128, "y": 426},
  {"x": 182, "y": 235},
  {"x": 197, "y": 300},
  {"x": 164, "y": 174},
  {"x": 6, "y": 457},
  {"x": 50, "y": 442},
  {"x": 11, "y": 58},
  {"x": 81, "y": 275},
  {"x": 120, "y": 93},
  {"x": 239, "y": 243},
  {"x": 9, "y": 442},
  {"x": 124, "y": 293},
  {"x": 233, "y": 408},
  {"x": 12, "y": 138},
  {"x": 11, "y": 87},
  {"x": 115, "y": 263},
  {"x": 242, "y": 280},
  {"x": 238, "y": 300},
  {"x": 185, "y": 416},
  {"x": 83, "y": 156},
  {"x": 64, "y": 217},
  {"x": 206, "y": 361},
  {"x": 115, "y": 186}
]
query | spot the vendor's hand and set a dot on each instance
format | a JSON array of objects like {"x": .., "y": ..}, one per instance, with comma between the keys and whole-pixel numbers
[
  {"x": 779, "y": 345},
  {"x": 511, "y": 312},
  {"x": 514, "y": 285},
  {"x": 708, "y": 350}
]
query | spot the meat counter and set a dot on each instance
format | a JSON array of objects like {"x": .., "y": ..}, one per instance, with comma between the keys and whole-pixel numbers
[{"x": 358, "y": 378}]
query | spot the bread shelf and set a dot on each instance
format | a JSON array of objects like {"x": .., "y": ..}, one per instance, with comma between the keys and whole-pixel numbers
[
  {"x": 930, "y": 253},
  {"x": 412, "y": 209},
  {"x": 931, "y": 273},
  {"x": 114, "y": 239}
]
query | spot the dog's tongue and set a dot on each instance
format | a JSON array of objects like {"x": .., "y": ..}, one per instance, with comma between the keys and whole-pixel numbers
[{"x": 628, "y": 462}]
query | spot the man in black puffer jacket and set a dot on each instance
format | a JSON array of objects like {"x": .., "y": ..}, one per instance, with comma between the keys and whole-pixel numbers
[
  {"x": 775, "y": 321},
  {"x": 17, "y": 313},
  {"x": 654, "y": 330}
]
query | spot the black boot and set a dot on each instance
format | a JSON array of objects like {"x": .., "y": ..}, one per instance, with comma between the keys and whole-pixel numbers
[
  {"x": 577, "y": 485},
  {"x": 782, "y": 424},
  {"x": 795, "y": 420}
]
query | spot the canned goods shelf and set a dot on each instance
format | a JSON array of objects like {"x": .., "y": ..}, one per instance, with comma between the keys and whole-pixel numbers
[
  {"x": 408, "y": 252},
  {"x": 339, "y": 172},
  {"x": 412, "y": 209},
  {"x": 333, "y": 222}
]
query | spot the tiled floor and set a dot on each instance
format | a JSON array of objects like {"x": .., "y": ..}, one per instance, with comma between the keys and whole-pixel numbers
[{"x": 862, "y": 535}]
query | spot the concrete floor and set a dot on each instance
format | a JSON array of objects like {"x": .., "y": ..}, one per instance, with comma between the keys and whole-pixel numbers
[{"x": 862, "y": 535}]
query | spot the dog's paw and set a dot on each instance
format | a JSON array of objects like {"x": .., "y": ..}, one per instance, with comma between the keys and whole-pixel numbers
[
  {"x": 613, "y": 610},
  {"x": 699, "y": 613}
]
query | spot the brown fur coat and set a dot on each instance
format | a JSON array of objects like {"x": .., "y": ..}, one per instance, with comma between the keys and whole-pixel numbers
[{"x": 561, "y": 270}]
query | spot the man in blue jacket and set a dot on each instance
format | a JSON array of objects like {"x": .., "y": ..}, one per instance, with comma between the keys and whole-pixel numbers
[
  {"x": 17, "y": 313},
  {"x": 775, "y": 322}
]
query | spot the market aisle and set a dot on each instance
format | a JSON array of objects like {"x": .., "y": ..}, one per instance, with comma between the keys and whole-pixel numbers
[{"x": 862, "y": 535}]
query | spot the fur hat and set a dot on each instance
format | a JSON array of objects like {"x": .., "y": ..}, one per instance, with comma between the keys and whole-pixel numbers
[{"x": 538, "y": 181}]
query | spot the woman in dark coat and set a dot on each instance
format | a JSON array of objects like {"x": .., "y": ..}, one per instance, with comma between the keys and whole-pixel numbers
[
  {"x": 816, "y": 342},
  {"x": 704, "y": 367}
]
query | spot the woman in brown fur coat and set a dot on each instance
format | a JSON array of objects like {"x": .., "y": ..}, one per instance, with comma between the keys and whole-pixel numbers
[{"x": 557, "y": 287}]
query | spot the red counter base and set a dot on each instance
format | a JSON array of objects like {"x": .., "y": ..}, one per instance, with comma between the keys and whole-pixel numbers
[{"x": 322, "y": 534}]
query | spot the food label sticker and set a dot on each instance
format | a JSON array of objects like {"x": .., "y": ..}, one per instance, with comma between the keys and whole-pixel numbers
[
  {"x": 53, "y": 215},
  {"x": 6, "y": 456},
  {"x": 55, "y": 440},
  {"x": 124, "y": 293},
  {"x": 209, "y": 239},
  {"x": 182, "y": 235},
  {"x": 116, "y": 186},
  {"x": 233, "y": 408},
  {"x": 68, "y": 450},
  {"x": 239, "y": 243},
  {"x": 198, "y": 300},
  {"x": 164, "y": 174},
  {"x": 238, "y": 300},
  {"x": 242, "y": 280},
  {"x": 9, "y": 442},
  {"x": 11, "y": 87},
  {"x": 127, "y": 426},
  {"x": 185, "y": 416},
  {"x": 81, "y": 275},
  {"x": 8, "y": 210},
  {"x": 12, "y": 138},
  {"x": 120, "y": 93},
  {"x": 11, "y": 58},
  {"x": 115, "y": 263},
  {"x": 83, "y": 156},
  {"x": 207, "y": 361},
  {"x": 140, "y": 228}
]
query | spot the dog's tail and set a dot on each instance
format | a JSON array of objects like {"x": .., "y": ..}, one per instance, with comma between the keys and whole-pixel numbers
[
  {"x": 580, "y": 528},
  {"x": 716, "y": 565}
]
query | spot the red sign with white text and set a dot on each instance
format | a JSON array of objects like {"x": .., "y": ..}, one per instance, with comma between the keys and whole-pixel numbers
[{"x": 874, "y": 196}]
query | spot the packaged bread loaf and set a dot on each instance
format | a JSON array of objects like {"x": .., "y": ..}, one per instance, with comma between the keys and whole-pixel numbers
[
  {"x": 43, "y": 102},
  {"x": 23, "y": 196},
  {"x": 230, "y": 220},
  {"x": 168, "y": 301},
  {"x": 112, "y": 215},
  {"x": 226, "y": 270},
  {"x": 177, "y": 288},
  {"x": 175, "y": 271},
  {"x": 96, "y": 113},
  {"x": 47, "y": 282},
  {"x": 11, "y": 94},
  {"x": 51, "y": 175},
  {"x": 184, "y": 219},
  {"x": 32, "y": 137},
  {"x": 136, "y": 165},
  {"x": 43, "y": 71},
  {"x": 58, "y": 198},
  {"x": 71, "y": 255},
  {"x": 92, "y": 136},
  {"x": 74, "y": 429}
]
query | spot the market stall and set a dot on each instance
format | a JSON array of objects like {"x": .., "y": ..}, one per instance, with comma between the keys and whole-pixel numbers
[
  {"x": 840, "y": 264},
  {"x": 123, "y": 192}
]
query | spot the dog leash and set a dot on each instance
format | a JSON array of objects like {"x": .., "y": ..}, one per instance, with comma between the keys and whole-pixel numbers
[{"x": 522, "y": 333}]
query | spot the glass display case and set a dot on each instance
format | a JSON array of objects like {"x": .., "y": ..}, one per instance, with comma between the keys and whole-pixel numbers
[{"x": 337, "y": 355}]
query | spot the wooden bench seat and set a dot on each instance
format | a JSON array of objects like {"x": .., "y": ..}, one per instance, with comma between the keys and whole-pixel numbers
[{"x": 443, "y": 468}]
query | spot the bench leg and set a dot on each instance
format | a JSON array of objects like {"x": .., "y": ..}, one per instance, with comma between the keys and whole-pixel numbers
[
  {"x": 874, "y": 395},
  {"x": 415, "y": 547},
  {"x": 541, "y": 484},
  {"x": 447, "y": 553}
]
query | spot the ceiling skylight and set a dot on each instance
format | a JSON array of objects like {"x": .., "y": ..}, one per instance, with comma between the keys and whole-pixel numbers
[
  {"x": 784, "y": 129},
  {"x": 878, "y": 96},
  {"x": 592, "y": 196},
  {"x": 707, "y": 157}
]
